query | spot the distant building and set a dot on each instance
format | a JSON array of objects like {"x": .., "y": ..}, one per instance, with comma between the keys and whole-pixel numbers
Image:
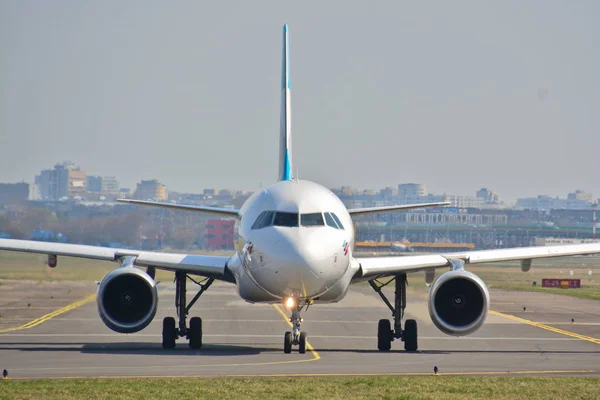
[
  {"x": 411, "y": 192},
  {"x": 124, "y": 193},
  {"x": 580, "y": 195},
  {"x": 465, "y": 201},
  {"x": 542, "y": 241},
  {"x": 14, "y": 193},
  {"x": 488, "y": 196},
  {"x": 547, "y": 203},
  {"x": 387, "y": 192},
  {"x": 110, "y": 185},
  {"x": 34, "y": 193},
  {"x": 347, "y": 190},
  {"x": 151, "y": 190},
  {"x": 52, "y": 184},
  {"x": 93, "y": 184},
  {"x": 65, "y": 180},
  {"x": 455, "y": 201},
  {"x": 219, "y": 234}
]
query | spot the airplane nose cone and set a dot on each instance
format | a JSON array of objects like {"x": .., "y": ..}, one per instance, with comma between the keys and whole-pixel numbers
[{"x": 303, "y": 263}]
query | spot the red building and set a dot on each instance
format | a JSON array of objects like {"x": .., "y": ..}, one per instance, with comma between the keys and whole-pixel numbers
[{"x": 219, "y": 234}]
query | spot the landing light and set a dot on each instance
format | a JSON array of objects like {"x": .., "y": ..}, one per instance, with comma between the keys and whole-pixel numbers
[{"x": 290, "y": 303}]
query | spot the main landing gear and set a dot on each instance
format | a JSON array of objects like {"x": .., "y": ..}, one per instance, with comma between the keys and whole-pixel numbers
[
  {"x": 170, "y": 333},
  {"x": 295, "y": 338},
  {"x": 385, "y": 334}
]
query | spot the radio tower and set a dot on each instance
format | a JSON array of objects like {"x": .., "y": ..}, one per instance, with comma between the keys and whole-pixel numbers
[{"x": 594, "y": 205}]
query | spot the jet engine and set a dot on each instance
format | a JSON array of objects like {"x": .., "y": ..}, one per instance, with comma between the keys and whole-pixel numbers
[
  {"x": 458, "y": 302},
  {"x": 127, "y": 300}
]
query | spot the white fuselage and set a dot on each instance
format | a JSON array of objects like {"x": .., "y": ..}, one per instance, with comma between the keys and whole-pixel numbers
[{"x": 309, "y": 260}]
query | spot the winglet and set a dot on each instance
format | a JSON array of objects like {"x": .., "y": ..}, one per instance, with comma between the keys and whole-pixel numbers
[{"x": 285, "y": 139}]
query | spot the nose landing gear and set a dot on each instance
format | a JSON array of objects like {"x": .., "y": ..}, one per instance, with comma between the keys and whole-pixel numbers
[{"x": 296, "y": 337}]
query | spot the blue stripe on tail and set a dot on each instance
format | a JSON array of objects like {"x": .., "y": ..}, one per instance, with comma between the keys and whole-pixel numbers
[{"x": 287, "y": 169}]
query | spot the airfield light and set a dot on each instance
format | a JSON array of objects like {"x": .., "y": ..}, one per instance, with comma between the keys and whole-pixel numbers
[{"x": 290, "y": 303}]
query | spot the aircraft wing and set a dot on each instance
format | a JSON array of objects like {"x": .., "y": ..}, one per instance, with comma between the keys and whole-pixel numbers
[
  {"x": 404, "y": 207},
  {"x": 209, "y": 266},
  {"x": 372, "y": 267},
  {"x": 223, "y": 212}
]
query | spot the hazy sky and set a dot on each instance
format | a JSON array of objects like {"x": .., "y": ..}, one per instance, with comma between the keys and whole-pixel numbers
[{"x": 454, "y": 94}]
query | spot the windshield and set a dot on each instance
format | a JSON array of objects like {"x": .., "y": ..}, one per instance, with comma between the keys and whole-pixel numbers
[
  {"x": 337, "y": 221},
  {"x": 330, "y": 221},
  {"x": 264, "y": 219},
  {"x": 314, "y": 219},
  {"x": 285, "y": 219}
]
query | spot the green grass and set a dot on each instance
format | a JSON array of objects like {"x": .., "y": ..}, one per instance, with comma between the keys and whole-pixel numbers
[
  {"x": 590, "y": 293},
  {"x": 386, "y": 387},
  {"x": 26, "y": 266},
  {"x": 508, "y": 276}
]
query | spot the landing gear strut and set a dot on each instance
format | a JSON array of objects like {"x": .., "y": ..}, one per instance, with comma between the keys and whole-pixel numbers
[
  {"x": 194, "y": 333},
  {"x": 296, "y": 337},
  {"x": 385, "y": 334}
]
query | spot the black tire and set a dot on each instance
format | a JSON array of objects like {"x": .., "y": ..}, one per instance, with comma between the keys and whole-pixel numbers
[
  {"x": 195, "y": 334},
  {"x": 287, "y": 343},
  {"x": 410, "y": 335},
  {"x": 169, "y": 333},
  {"x": 302, "y": 343},
  {"x": 384, "y": 335}
]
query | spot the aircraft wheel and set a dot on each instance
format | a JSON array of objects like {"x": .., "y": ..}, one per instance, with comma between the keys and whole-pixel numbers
[
  {"x": 410, "y": 335},
  {"x": 287, "y": 343},
  {"x": 195, "y": 333},
  {"x": 384, "y": 335},
  {"x": 169, "y": 333},
  {"x": 302, "y": 343}
]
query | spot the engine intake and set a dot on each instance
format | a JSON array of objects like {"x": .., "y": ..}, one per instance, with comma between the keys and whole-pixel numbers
[
  {"x": 458, "y": 303},
  {"x": 127, "y": 300}
]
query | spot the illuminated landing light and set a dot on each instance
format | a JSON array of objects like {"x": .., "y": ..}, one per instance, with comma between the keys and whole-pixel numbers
[{"x": 289, "y": 303}]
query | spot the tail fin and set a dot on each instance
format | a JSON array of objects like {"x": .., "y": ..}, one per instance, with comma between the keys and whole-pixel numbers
[{"x": 285, "y": 139}]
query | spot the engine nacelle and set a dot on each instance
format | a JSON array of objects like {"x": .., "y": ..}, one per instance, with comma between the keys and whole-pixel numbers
[
  {"x": 127, "y": 300},
  {"x": 459, "y": 302}
]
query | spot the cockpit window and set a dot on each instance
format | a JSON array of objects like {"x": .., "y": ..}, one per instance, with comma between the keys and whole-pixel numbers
[
  {"x": 337, "y": 221},
  {"x": 314, "y": 219},
  {"x": 330, "y": 221},
  {"x": 286, "y": 219},
  {"x": 264, "y": 219}
]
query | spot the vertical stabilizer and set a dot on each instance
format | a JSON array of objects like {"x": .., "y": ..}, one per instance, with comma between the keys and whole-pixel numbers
[{"x": 285, "y": 139}]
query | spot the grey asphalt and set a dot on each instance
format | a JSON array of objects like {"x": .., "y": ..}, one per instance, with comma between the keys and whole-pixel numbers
[{"x": 247, "y": 339}]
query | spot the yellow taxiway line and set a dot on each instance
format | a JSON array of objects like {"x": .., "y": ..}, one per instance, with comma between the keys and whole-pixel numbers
[
  {"x": 316, "y": 355},
  {"x": 90, "y": 298},
  {"x": 530, "y": 323},
  {"x": 51, "y": 315},
  {"x": 546, "y": 327}
]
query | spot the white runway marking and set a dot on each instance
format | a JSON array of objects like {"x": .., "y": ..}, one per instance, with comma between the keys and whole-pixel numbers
[
  {"x": 217, "y": 320},
  {"x": 374, "y": 322},
  {"x": 139, "y": 335}
]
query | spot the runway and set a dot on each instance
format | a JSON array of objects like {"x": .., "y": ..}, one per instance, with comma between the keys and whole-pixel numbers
[{"x": 242, "y": 339}]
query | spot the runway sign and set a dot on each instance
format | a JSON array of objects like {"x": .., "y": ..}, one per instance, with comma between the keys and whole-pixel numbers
[{"x": 562, "y": 283}]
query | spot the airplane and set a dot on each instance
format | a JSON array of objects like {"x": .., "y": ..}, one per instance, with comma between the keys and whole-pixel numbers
[{"x": 294, "y": 246}]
